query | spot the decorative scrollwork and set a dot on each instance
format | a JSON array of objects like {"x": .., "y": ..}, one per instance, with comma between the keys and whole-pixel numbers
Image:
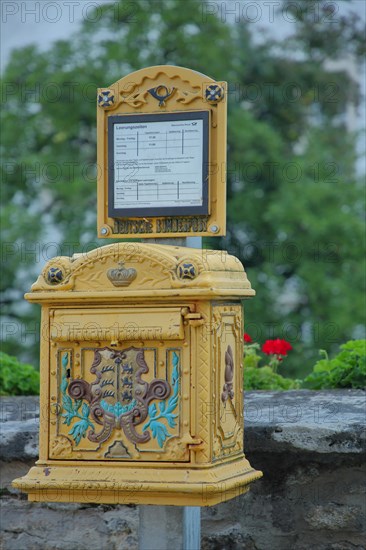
[{"x": 79, "y": 389}]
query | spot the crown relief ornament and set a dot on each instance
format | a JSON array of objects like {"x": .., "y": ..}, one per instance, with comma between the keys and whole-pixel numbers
[{"x": 122, "y": 276}]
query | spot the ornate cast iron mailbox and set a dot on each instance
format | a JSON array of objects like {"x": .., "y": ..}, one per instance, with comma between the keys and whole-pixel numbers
[{"x": 141, "y": 368}]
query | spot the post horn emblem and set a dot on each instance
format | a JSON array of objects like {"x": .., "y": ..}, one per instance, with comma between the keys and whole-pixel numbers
[{"x": 161, "y": 93}]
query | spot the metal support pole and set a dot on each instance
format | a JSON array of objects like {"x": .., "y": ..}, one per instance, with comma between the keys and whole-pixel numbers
[
  {"x": 192, "y": 514},
  {"x": 167, "y": 527},
  {"x": 191, "y": 528}
]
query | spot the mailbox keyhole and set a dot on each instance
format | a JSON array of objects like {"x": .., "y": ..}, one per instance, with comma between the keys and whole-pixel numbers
[{"x": 68, "y": 373}]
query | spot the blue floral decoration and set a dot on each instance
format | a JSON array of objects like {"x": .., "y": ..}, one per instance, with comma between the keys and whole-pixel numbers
[
  {"x": 166, "y": 409},
  {"x": 72, "y": 408},
  {"x": 117, "y": 409}
]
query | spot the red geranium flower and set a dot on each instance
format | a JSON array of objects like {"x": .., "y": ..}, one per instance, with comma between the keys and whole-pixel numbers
[
  {"x": 247, "y": 338},
  {"x": 276, "y": 347}
]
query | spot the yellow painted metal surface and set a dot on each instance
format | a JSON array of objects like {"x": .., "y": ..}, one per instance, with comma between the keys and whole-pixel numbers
[
  {"x": 185, "y": 91},
  {"x": 142, "y": 378}
]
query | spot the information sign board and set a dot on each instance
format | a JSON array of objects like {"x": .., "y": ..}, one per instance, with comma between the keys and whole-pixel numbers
[
  {"x": 162, "y": 155},
  {"x": 158, "y": 164}
]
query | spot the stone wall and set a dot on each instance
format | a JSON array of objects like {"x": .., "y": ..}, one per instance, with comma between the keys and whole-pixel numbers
[{"x": 309, "y": 445}]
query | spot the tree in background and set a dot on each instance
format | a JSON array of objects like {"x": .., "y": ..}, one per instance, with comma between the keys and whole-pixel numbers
[{"x": 294, "y": 202}]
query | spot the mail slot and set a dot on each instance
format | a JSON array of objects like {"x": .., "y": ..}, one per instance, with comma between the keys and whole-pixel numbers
[{"x": 142, "y": 377}]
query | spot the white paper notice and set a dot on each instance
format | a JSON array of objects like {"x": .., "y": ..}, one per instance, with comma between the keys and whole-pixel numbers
[{"x": 158, "y": 164}]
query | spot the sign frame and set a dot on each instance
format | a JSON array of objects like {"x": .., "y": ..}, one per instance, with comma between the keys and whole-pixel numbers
[{"x": 164, "y": 90}]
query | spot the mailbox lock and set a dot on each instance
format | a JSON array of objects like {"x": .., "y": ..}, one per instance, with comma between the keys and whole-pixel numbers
[{"x": 55, "y": 408}]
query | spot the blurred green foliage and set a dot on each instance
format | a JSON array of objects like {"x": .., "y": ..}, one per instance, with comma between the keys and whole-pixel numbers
[
  {"x": 263, "y": 378},
  {"x": 17, "y": 378},
  {"x": 294, "y": 201},
  {"x": 346, "y": 370}
]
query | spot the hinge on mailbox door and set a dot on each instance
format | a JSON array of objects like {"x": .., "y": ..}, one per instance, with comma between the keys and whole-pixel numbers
[{"x": 194, "y": 319}]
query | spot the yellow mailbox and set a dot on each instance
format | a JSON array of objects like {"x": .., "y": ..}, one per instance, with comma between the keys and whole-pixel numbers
[{"x": 142, "y": 378}]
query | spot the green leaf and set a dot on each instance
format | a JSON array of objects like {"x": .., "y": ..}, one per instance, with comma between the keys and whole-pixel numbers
[
  {"x": 17, "y": 378},
  {"x": 345, "y": 370}
]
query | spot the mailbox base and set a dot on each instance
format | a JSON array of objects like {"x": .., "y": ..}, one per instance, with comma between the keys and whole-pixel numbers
[{"x": 204, "y": 486}]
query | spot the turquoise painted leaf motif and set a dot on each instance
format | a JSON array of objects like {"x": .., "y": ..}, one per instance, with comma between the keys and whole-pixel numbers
[
  {"x": 166, "y": 409},
  {"x": 68, "y": 418},
  {"x": 107, "y": 407},
  {"x": 64, "y": 385},
  {"x": 117, "y": 409},
  {"x": 172, "y": 423},
  {"x": 78, "y": 403},
  {"x": 79, "y": 430},
  {"x": 152, "y": 410},
  {"x": 67, "y": 403},
  {"x": 72, "y": 408},
  {"x": 65, "y": 360},
  {"x": 159, "y": 432},
  {"x": 175, "y": 373},
  {"x": 173, "y": 402}
]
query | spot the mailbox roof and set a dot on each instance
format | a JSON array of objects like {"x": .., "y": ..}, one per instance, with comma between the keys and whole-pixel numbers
[{"x": 124, "y": 271}]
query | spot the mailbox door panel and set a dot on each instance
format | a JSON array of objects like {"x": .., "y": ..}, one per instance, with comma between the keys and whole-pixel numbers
[{"x": 119, "y": 397}]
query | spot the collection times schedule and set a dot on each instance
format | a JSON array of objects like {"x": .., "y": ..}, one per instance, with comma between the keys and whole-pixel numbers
[{"x": 158, "y": 164}]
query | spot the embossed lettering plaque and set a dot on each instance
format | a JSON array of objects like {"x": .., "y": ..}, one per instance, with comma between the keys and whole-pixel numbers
[{"x": 158, "y": 164}]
